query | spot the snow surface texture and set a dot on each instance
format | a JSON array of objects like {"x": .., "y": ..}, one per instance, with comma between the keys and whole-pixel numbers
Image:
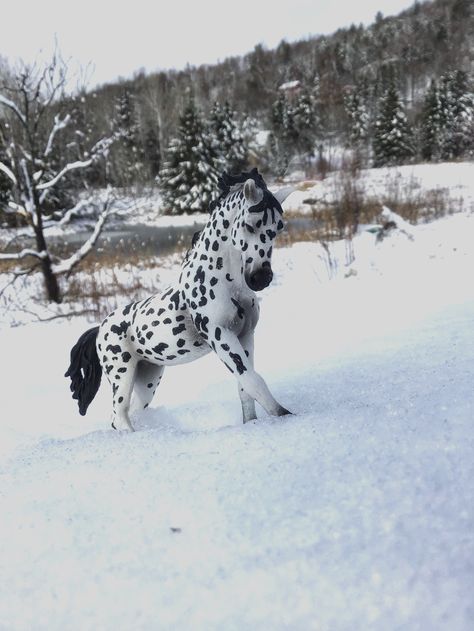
[
  {"x": 455, "y": 179},
  {"x": 355, "y": 513}
]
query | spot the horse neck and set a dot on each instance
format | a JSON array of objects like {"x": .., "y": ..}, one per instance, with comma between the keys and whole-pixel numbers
[{"x": 217, "y": 234}]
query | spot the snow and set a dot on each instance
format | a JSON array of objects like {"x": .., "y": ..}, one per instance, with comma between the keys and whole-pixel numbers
[
  {"x": 455, "y": 179},
  {"x": 290, "y": 85},
  {"x": 357, "y": 512}
]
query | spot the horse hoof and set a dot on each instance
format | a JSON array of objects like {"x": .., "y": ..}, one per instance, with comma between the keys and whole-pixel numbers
[{"x": 122, "y": 429}]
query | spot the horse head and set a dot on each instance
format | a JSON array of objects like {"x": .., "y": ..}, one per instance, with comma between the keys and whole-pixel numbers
[{"x": 257, "y": 221}]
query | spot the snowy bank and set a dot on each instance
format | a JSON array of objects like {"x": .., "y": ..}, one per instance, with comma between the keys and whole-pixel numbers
[
  {"x": 355, "y": 513},
  {"x": 455, "y": 179}
]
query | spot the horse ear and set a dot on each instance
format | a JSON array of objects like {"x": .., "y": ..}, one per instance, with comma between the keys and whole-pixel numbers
[
  {"x": 283, "y": 193},
  {"x": 251, "y": 192}
]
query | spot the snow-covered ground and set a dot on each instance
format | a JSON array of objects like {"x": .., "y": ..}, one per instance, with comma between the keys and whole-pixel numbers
[
  {"x": 455, "y": 181},
  {"x": 357, "y": 512}
]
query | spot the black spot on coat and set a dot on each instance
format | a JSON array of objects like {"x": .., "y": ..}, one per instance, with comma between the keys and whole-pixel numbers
[
  {"x": 114, "y": 349},
  {"x": 179, "y": 329},
  {"x": 160, "y": 348}
]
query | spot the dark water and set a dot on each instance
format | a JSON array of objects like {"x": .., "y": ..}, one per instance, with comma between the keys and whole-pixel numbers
[
  {"x": 147, "y": 240},
  {"x": 131, "y": 239}
]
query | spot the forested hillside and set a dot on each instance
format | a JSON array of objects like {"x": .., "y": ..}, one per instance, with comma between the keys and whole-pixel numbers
[{"x": 393, "y": 92}]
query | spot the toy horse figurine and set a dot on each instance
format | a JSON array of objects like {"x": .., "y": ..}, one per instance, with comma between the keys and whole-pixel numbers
[{"x": 213, "y": 306}]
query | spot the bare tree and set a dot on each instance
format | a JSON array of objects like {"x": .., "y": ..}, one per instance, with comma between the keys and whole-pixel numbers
[{"x": 33, "y": 115}]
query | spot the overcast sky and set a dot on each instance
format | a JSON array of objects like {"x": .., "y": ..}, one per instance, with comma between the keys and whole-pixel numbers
[{"x": 118, "y": 38}]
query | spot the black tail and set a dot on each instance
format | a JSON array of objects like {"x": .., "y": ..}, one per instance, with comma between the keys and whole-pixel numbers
[{"x": 85, "y": 370}]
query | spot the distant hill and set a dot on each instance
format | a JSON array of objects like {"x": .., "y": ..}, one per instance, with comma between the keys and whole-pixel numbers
[
  {"x": 420, "y": 43},
  {"x": 405, "y": 52}
]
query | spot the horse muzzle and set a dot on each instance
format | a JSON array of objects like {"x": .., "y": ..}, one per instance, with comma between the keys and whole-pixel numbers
[{"x": 260, "y": 279}]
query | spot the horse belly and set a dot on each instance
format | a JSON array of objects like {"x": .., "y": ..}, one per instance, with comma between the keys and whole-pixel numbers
[{"x": 166, "y": 337}]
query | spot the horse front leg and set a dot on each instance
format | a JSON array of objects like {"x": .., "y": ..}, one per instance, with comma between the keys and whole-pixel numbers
[
  {"x": 230, "y": 350},
  {"x": 247, "y": 402}
]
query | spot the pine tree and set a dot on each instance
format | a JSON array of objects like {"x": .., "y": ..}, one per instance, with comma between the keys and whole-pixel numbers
[
  {"x": 463, "y": 106},
  {"x": 129, "y": 153},
  {"x": 432, "y": 120},
  {"x": 295, "y": 126},
  {"x": 189, "y": 176},
  {"x": 305, "y": 123},
  {"x": 392, "y": 139},
  {"x": 281, "y": 129},
  {"x": 457, "y": 106},
  {"x": 152, "y": 150},
  {"x": 278, "y": 115},
  {"x": 227, "y": 138},
  {"x": 358, "y": 116},
  {"x": 82, "y": 138}
]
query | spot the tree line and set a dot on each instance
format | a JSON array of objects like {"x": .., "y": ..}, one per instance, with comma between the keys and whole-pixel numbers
[
  {"x": 395, "y": 91},
  {"x": 392, "y": 93}
]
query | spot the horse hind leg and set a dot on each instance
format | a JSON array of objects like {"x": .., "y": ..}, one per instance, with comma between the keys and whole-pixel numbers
[
  {"x": 147, "y": 380},
  {"x": 121, "y": 376}
]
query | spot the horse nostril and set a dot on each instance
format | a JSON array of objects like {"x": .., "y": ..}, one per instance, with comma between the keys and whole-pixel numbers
[
  {"x": 268, "y": 275},
  {"x": 261, "y": 278}
]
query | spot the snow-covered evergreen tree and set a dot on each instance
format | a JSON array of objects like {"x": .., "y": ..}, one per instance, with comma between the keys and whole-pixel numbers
[
  {"x": 227, "y": 138},
  {"x": 457, "y": 108},
  {"x": 278, "y": 140},
  {"x": 278, "y": 115},
  {"x": 152, "y": 150},
  {"x": 392, "y": 142},
  {"x": 189, "y": 175},
  {"x": 432, "y": 121},
  {"x": 81, "y": 138},
  {"x": 129, "y": 153},
  {"x": 295, "y": 126},
  {"x": 305, "y": 123},
  {"x": 358, "y": 117},
  {"x": 250, "y": 128}
]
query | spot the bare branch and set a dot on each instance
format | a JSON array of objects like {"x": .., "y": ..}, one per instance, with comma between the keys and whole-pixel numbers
[
  {"x": 71, "y": 212},
  {"x": 18, "y": 209},
  {"x": 17, "y": 256},
  {"x": 11, "y": 105},
  {"x": 63, "y": 217},
  {"x": 66, "y": 266},
  {"x": 10, "y": 175},
  {"x": 68, "y": 314},
  {"x": 103, "y": 145},
  {"x": 16, "y": 275},
  {"x": 9, "y": 284},
  {"x": 58, "y": 125},
  {"x": 30, "y": 203},
  {"x": 72, "y": 166},
  {"x": 99, "y": 149},
  {"x": 15, "y": 239}
]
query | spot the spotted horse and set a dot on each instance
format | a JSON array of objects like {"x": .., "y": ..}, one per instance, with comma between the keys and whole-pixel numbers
[{"x": 213, "y": 306}]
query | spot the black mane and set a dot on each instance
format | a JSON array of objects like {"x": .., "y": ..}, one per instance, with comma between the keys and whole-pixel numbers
[{"x": 226, "y": 181}]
